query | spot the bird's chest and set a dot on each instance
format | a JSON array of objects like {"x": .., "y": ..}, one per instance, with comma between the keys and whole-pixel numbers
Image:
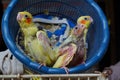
[
  {"x": 29, "y": 32},
  {"x": 29, "y": 39}
]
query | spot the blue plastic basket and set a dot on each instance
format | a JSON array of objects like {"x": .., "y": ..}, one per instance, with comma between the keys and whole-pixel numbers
[{"x": 98, "y": 36}]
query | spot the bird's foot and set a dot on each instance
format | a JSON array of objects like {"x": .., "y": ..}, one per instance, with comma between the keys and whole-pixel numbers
[
  {"x": 83, "y": 62},
  {"x": 41, "y": 64},
  {"x": 66, "y": 70}
]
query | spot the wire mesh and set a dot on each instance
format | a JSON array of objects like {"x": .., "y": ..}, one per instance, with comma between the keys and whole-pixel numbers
[{"x": 54, "y": 77}]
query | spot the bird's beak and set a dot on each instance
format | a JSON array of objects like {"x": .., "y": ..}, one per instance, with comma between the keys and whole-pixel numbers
[
  {"x": 91, "y": 19},
  {"x": 19, "y": 16}
]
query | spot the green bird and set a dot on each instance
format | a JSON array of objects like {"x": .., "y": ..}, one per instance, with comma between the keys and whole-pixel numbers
[{"x": 36, "y": 42}]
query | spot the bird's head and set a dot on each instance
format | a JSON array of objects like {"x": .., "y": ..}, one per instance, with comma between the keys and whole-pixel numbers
[
  {"x": 83, "y": 23},
  {"x": 85, "y": 20},
  {"x": 24, "y": 18}
]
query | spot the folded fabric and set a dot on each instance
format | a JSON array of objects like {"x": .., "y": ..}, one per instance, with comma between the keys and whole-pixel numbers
[{"x": 9, "y": 64}]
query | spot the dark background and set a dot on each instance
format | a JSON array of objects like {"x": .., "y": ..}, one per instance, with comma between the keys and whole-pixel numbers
[
  {"x": 2, "y": 45},
  {"x": 111, "y": 9}
]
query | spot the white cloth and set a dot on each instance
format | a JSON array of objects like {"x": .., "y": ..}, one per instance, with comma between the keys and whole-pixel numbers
[{"x": 9, "y": 64}]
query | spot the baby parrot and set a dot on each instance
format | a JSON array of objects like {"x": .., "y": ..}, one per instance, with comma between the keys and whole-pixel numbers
[
  {"x": 80, "y": 30},
  {"x": 85, "y": 21},
  {"x": 83, "y": 24},
  {"x": 36, "y": 42},
  {"x": 78, "y": 38}
]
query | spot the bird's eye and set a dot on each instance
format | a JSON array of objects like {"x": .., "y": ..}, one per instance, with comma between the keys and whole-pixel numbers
[
  {"x": 76, "y": 27},
  {"x": 26, "y": 16},
  {"x": 86, "y": 18}
]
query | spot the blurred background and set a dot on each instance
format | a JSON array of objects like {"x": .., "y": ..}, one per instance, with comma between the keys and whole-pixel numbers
[{"x": 112, "y": 12}]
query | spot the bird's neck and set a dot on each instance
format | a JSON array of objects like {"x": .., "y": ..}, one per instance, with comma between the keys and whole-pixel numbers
[
  {"x": 29, "y": 31},
  {"x": 26, "y": 25},
  {"x": 85, "y": 34}
]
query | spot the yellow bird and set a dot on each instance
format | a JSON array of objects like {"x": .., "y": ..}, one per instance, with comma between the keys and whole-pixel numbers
[{"x": 36, "y": 42}]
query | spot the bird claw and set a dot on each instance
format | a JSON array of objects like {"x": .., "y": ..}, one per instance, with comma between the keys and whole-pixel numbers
[
  {"x": 66, "y": 70},
  {"x": 83, "y": 62},
  {"x": 41, "y": 65}
]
